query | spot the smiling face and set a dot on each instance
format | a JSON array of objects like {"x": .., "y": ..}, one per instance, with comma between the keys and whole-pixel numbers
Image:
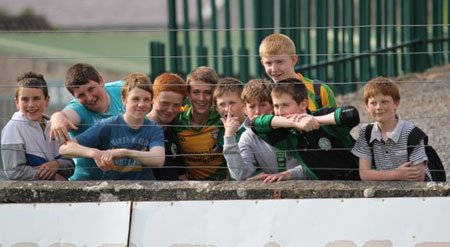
[
  {"x": 166, "y": 107},
  {"x": 285, "y": 105},
  {"x": 201, "y": 97},
  {"x": 255, "y": 108},
  {"x": 279, "y": 67},
  {"x": 92, "y": 96},
  {"x": 137, "y": 104},
  {"x": 32, "y": 103},
  {"x": 382, "y": 108}
]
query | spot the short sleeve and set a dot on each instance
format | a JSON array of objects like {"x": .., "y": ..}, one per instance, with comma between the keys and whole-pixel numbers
[
  {"x": 361, "y": 148},
  {"x": 157, "y": 139},
  {"x": 418, "y": 154}
]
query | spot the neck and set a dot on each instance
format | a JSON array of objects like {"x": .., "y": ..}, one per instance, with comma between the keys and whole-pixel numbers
[
  {"x": 134, "y": 123},
  {"x": 152, "y": 116},
  {"x": 199, "y": 119},
  {"x": 388, "y": 125}
]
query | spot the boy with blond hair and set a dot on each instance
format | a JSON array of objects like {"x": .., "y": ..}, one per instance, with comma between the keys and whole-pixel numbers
[
  {"x": 26, "y": 152},
  {"x": 388, "y": 142},
  {"x": 124, "y": 146},
  {"x": 198, "y": 126},
  {"x": 250, "y": 154},
  {"x": 320, "y": 142},
  {"x": 278, "y": 56}
]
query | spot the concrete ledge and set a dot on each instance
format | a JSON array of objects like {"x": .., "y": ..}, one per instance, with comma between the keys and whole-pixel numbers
[{"x": 105, "y": 191}]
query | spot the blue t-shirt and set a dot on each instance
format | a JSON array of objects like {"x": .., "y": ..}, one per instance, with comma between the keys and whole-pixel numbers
[
  {"x": 113, "y": 133},
  {"x": 86, "y": 169}
]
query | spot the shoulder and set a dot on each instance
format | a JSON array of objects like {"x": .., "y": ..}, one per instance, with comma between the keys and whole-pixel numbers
[{"x": 116, "y": 85}]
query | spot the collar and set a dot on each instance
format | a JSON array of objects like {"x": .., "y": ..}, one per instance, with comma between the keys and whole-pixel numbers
[{"x": 395, "y": 134}]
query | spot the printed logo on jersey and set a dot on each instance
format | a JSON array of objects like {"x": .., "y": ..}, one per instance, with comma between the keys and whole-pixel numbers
[
  {"x": 324, "y": 143},
  {"x": 215, "y": 134}
]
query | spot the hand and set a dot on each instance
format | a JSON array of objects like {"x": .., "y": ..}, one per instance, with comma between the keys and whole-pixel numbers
[
  {"x": 59, "y": 128},
  {"x": 230, "y": 123},
  {"x": 306, "y": 123},
  {"x": 409, "y": 173},
  {"x": 296, "y": 117},
  {"x": 59, "y": 177},
  {"x": 98, "y": 158},
  {"x": 47, "y": 170},
  {"x": 110, "y": 155},
  {"x": 261, "y": 176},
  {"x": 286, "y": 175}
]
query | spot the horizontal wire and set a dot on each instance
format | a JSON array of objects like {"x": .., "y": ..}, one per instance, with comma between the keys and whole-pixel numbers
[
  {"x": 219, "y": 29},
  {"x": 342, "y": 55},
  {"x": 62, "y": 85}
]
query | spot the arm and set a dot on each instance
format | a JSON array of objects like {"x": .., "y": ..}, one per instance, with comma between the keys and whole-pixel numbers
[
  {"x": 155, "y": 157},
  {"x": 404, "y": 172},
  {"x": 61, "y": 122},
  {"x": 240, "y": 168},
  {"x": 15, "y": 163},
  {"x": 72, "y": 149}
]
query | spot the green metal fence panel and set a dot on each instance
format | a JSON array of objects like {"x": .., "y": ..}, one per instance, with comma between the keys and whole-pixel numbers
[
  {"x": 243, "y": 51},
  {"x": 364, "y": 37},
  {"x": 407, "y": 34},
  {"x": 263, "y": 18},
  {"x": 172, "y": 25},
  {"x": 202, "y": 51},
  {"x": 349, "y": 49},
  {"x": 214, "y": 44},
  {"x": 322, "y": 37},
  {"x": 187, "y": 39},
  {"x": 307, "y": 51},
  {"x": 392, "y": 62},
  {"x": 380, "y": 33},
  {"x": 438, "y": 55},
  {"x": 421, "y": 60},
  {"x": 226, "y": 51},
  {"x": 157, "y": 60}
]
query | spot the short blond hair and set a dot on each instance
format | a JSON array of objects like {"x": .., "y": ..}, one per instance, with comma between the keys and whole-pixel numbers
[
  {"x": 257, "y": 89},
  {"x": 136, "y": 80},
  {"x": 228, "y": 85},
  {"x": 204, "y": 74},
  {"x": 381, "y": 85},
  {"x": 277, "y": 44}
]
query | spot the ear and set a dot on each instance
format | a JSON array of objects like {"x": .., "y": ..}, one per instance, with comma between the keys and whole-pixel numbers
[
  {"x": 123, "y": 101},
  {"x": 101, "y": 81},
  {"x": 17, "y": 103},
  {"x": 47, "y": 101},
  {"x": 304, "y": 105},
  {"x": 294, "y": 61},
  {"x": 396, "y": 105}
]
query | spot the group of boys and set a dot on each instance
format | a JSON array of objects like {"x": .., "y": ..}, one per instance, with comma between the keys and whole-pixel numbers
[{"x": 133, "y": 130}]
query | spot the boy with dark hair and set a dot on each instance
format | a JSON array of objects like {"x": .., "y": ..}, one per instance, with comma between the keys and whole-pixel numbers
[
  {"x": 278, "y": 56},
  {"x": 94, "y": 101},
  {"x": 253, "y": 155},
  {"x": 198, "y": 127},
  {"x": 26, "y": 151},
  {"x": 170, "y": 91},
  {"x": 388, "y": 141},
  {"x": 319, "y": 141},
  {"x": 124, "y": 145}
]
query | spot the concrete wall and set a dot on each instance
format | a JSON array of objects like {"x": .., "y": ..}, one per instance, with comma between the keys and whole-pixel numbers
[{"x": 44, "y": 191}]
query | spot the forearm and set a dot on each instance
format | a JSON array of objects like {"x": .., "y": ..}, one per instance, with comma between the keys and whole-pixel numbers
[
  {"x": 153, "y": 158},
  {"x": 326, "y": 119},
  {"x": 74, "y": 150},
  {"x": 237, "y": 166},
  {"x": 281, "y": 122}
]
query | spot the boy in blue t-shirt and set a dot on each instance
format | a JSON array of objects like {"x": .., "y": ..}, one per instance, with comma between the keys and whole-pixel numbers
[{"x": 121, "y": 145}]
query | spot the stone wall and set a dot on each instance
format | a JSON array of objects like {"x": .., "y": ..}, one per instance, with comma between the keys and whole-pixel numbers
[{"x": 106, "y": 191}]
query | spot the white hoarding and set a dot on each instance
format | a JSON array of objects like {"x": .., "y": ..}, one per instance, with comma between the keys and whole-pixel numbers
[
  {"x": 309, "y": 222},
  {"x": 64, "y": 224}
]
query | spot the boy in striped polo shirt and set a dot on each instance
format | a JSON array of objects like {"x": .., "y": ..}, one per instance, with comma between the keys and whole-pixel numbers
[{"x": 387, "y": 147}]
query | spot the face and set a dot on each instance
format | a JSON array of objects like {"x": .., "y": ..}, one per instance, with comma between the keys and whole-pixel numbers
[
  {"x": 382, "y": 107},
  {"x": 285, "y": 105},
  {"x": 230, "y": 104},
  {"x": 279, "y": 67},
  {"x": 32, "y": 102},
  {"x": 255, "y": 108},
  {"x": 93, "y": 96},
  {"x": 166, "y": 107},
  {"x": 137, "y": 103},
  {"x": 201, "y": 97}
]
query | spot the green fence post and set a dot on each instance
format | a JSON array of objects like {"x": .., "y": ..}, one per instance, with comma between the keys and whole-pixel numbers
[
  {"x": 392, "y": 62},
  {"x": 322, "y": 39},
  {"x": 263, "y": 21},
  {"x": 226, "y": 51},
  {"x": 350, "y": 77},
  {"x": 173, "y": 35},
  {"x": 187, "y": 41},
  {"x": 438, "y": 20},
  {"x": 201, "y": 49},
  {"x": 157, "y": 60},
  {"x": 364, "y": 37},
  {"x": 406, "y": 35},
  {"x": 243, "y": 51},
  {"x": 215, "y": 47},
  {"x": 306, "y": 13},
  {"x": 381, "y": 63},
  {"x": 421, "y": 59},
  {"x": 337, "y": 68},
  {"x": 284, "y": 12}
]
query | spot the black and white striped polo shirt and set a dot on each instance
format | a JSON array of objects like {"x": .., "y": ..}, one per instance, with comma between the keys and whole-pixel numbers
[{"x": 393, "y": 152}]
